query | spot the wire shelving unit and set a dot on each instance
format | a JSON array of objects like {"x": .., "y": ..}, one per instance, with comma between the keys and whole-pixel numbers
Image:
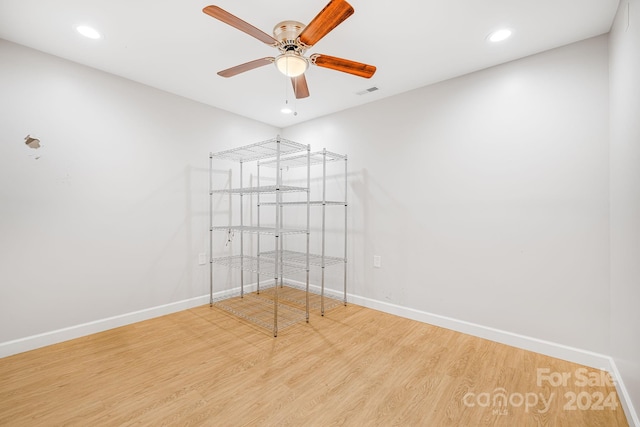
[
  {"x": 272, "y": 150},
  {"x": 322, "y": 260}
]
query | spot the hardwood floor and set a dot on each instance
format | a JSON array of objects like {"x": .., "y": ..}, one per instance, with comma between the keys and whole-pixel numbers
[{"x": 354, "y": 367}]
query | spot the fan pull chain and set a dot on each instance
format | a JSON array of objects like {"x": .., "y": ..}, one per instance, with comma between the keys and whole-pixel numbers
[
  {"x": 287, "y": 109},
  {"x": 295, "y": 102}
]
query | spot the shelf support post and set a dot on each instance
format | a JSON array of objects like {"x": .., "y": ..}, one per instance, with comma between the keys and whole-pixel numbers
[
  {"x": 277, "y": 240},
  {"x": 346, "y": 187},
  {"x": 324, "y": 206},
  {"x": 308, "y": 227},
  {"x": 258, "y": 236},
  {"x": 241, "y": 237},
  {"x": 210, "y": 230}
]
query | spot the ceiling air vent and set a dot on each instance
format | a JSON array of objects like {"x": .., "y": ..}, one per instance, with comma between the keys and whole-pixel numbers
[{"x": 366, "y": 91}]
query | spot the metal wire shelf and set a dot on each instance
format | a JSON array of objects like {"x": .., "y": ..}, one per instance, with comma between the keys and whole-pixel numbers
[
  {"x": 260, "y": 150},
  {"x": 298, "y": 296},
  {"x": 262, "y": 189},
  {"x": 300, "y": 160},
  {"x": 258, "y": 265},
  {"x": 301, "y": 258},
  {"x": 258, "y": 309},
  {"x": 258, "y": 230},
  {"x": 304, "y": 203}
]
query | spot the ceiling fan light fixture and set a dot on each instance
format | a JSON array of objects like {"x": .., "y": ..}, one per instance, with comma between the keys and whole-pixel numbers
[{"x": 291, "y": 64}]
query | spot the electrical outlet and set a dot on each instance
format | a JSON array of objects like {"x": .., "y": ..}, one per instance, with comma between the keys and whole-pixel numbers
[
  {"x": 377, "y": 261},
  {"x": 202, "y": 258}
]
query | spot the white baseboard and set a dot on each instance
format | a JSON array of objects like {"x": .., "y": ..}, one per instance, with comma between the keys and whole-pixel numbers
[
  {"x": 548, "y": 348},
  {"x": 44, "y": 339},
  {"x": 627, "y": 404},
  {"x": 60, "y": 335},
  {"x": 560, "y": 351}
]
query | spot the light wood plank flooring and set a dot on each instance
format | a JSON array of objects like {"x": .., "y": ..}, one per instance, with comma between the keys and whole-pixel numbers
[{"x": 353, "y": 367}]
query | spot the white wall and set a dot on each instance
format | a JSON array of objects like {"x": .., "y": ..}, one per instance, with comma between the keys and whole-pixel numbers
[
  {"x": 486, "y": 196},
  {"x": 111, "y": 218},
  {"x": 625, "y": 194}
]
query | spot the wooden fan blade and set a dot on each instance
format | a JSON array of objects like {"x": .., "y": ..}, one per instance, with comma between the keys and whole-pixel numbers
[
  {"x": 300, "y": 86},
  {"x": 344, "y": 65},
  {"x": 230, "y": 72},
  {"x": 234, "y": 21},
  {"x": 330, "y": 17}
]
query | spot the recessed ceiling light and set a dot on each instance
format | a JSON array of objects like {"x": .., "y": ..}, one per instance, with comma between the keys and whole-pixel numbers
[
  {"x": 286, "y": 110},
  {"x": 89, "y": 32},
  {"x": 500, "y": 35}
]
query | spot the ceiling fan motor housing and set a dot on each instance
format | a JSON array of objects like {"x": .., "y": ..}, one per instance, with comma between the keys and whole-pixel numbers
[
  {"x": 287, "y": 32},
  {"x": 291, "y": 62}
]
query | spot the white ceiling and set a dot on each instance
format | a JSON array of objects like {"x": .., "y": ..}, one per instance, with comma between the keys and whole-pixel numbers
[{"x": 172, "y": 45}]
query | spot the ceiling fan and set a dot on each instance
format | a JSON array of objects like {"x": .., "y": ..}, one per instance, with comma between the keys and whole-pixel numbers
[{"x": 292, "y": 39}]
